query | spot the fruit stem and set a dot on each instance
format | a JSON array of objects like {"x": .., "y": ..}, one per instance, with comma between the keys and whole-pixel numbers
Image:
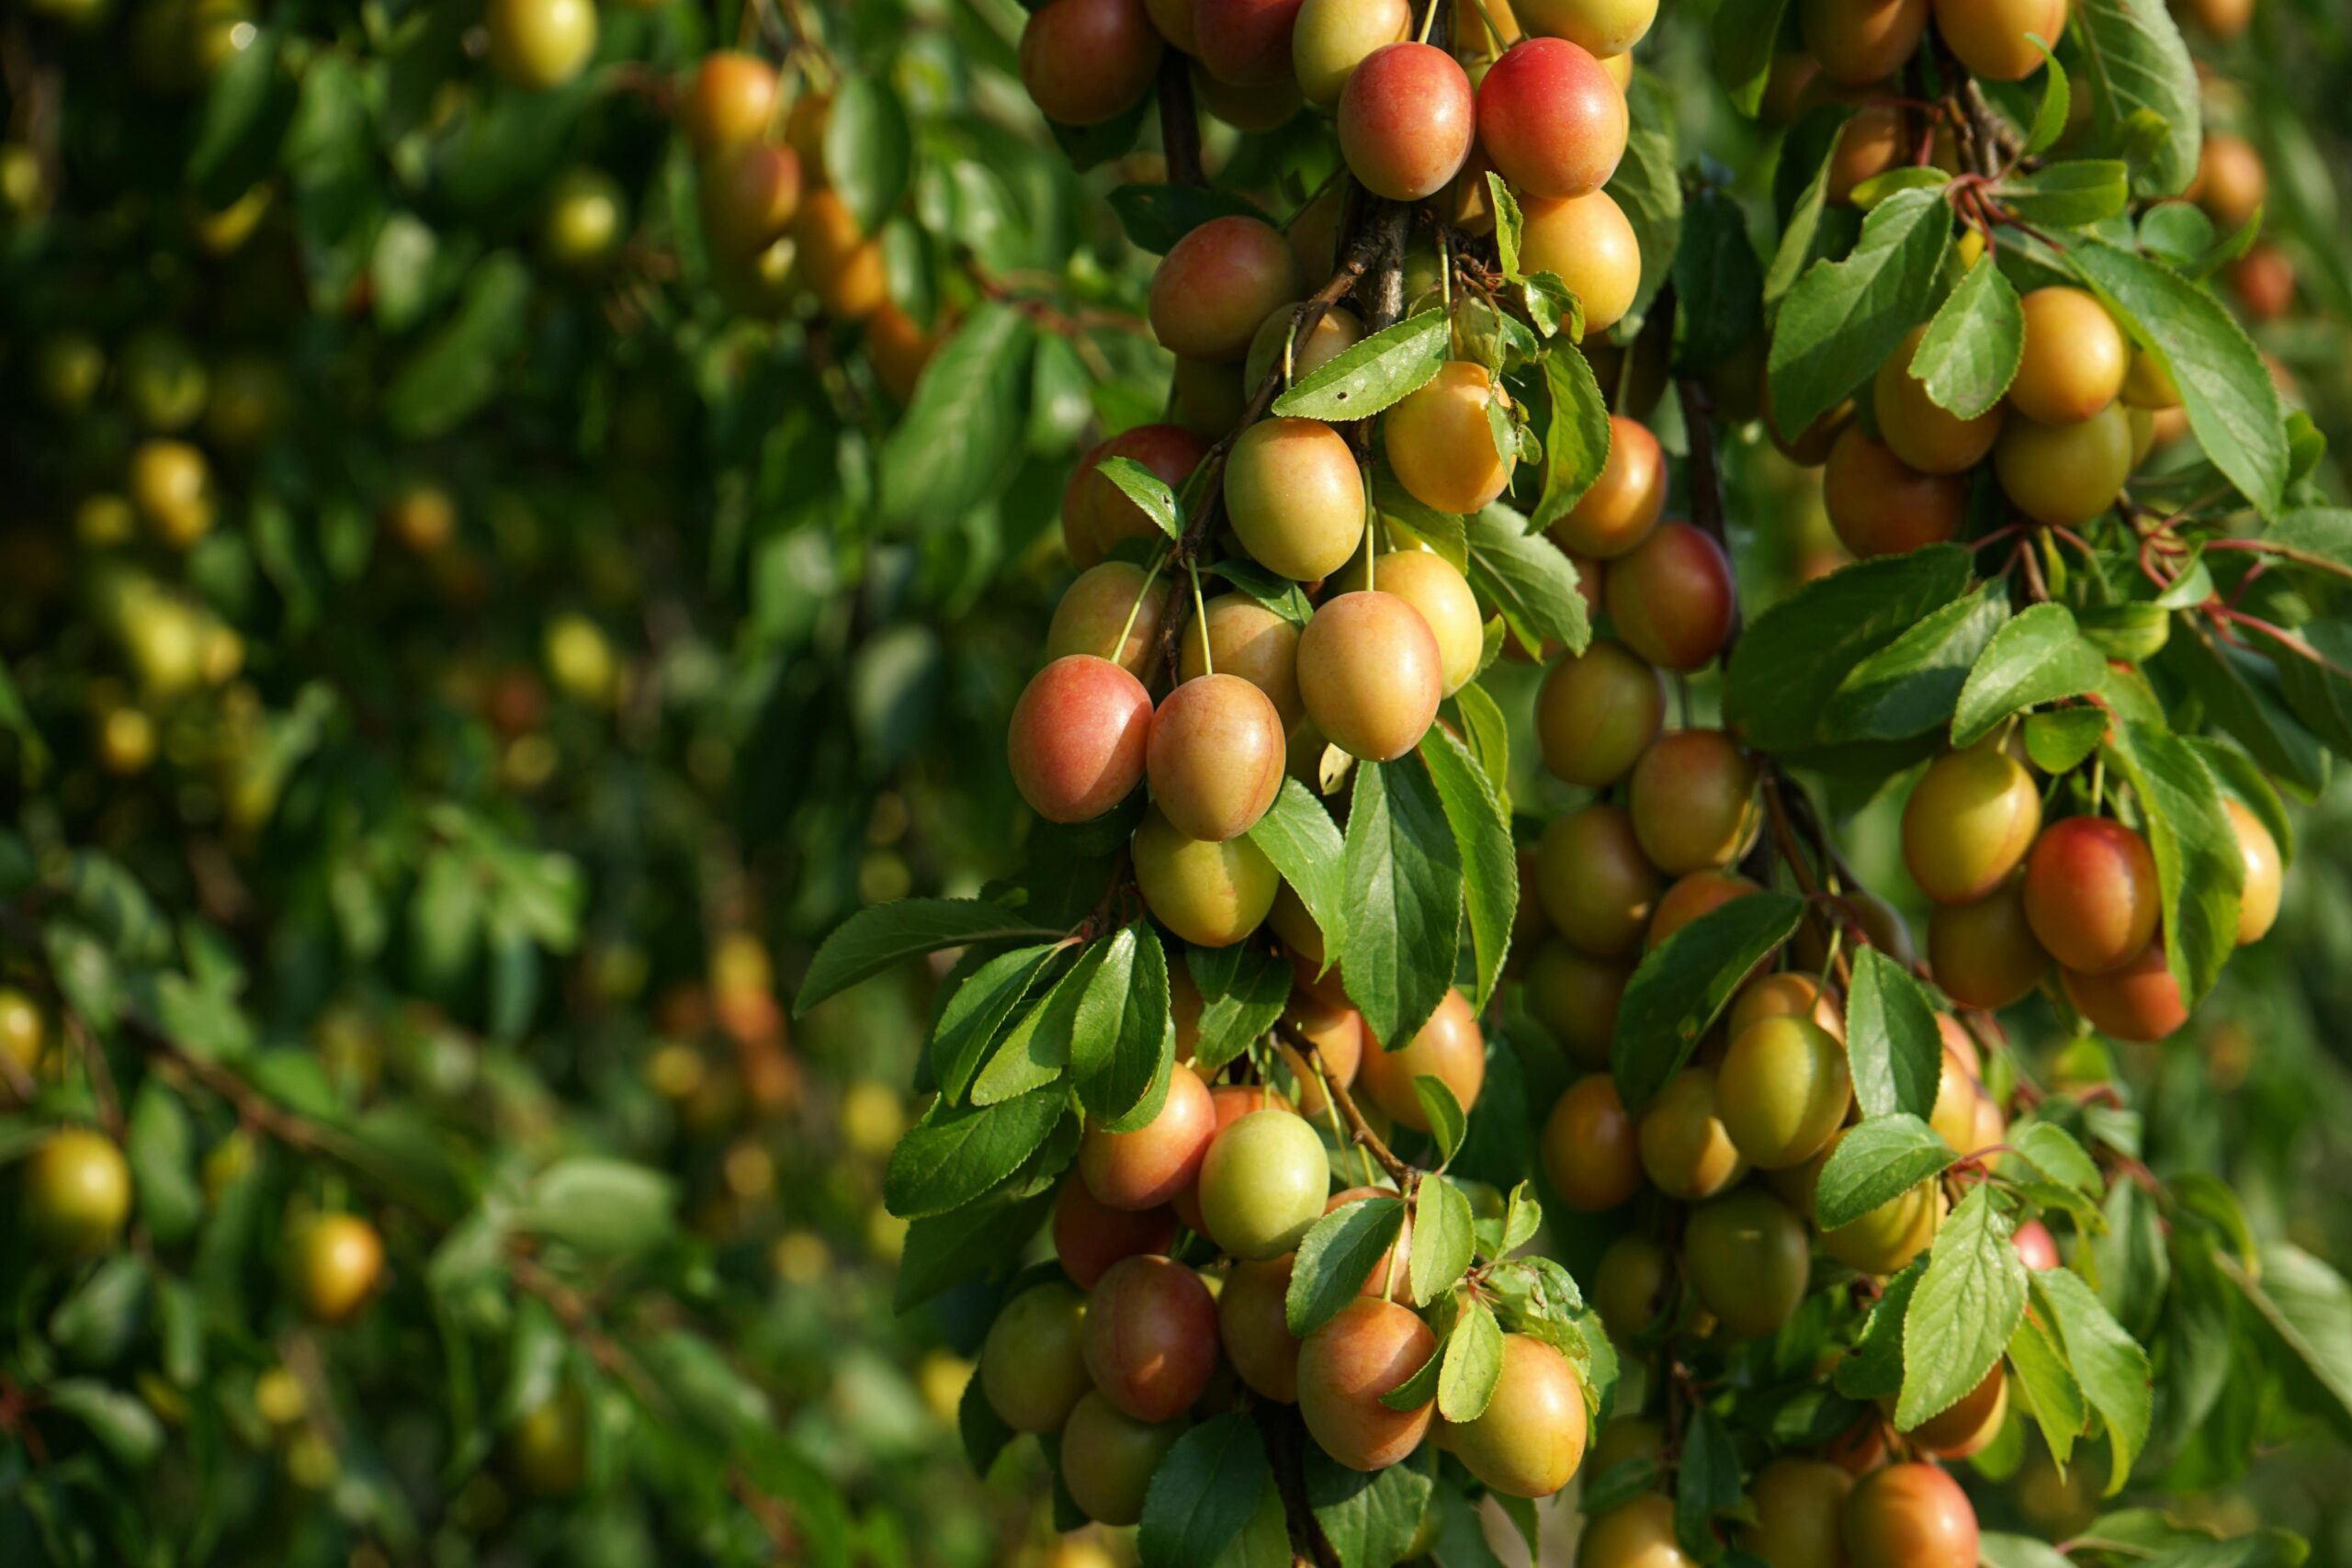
[
  {"x": 1398, "y": 1171},
  {"x": 1119, "y": 647},
  {"x": 1179, "y": 123},
  {"x": 1201, "y": 617}
]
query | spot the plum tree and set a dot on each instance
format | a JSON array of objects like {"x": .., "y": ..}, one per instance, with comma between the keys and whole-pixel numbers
[
  {"x": 1588, "y": 240},
  {"x": 1437, "y": 440},
  {"x": 1212, "y": 895},
  {"x": 1991, "y": 39},
  {"x": 1747, "y": 1256},
  {"x": 1033, "y": 1363},
  {"x": 1783, "y": 1090},
  {"x": 1686, "y": 1150},
  {"x": 1429, "y": 583},
  {"x": 1294, "y": 497},
  {"x": 1244, "y": 42},
  {"x": 1595, "y": 884},
  {"x": 1096, "y": 515},
  {"x": 1889, "y": 1237},
  {"x": 1576, "y": 996},
  {"x": 1624, "y": 502},
  {"x": 1085, "y": 62},
  {"x": 1597, "y": 712},
  {"x": 1254, "y": 1329},
  {"x": 1984, "y": 955},
  {"x": 2075, "y": 358},
  {"x": 2264, "y": 873},
  {"x": 1628, "y": 1283},
  {"x": 1330, "y": 38},
  {"x": 1918, "y": 431},
  {"x": 1860, "y": 41},
  {"x": 1090, "y": 1236},
  {"x": 1531, "y": 1437},
  {"x": 1079, "y": 737},
  {"x": 1450, "y": 1047},
  {"x": 1969, "y": 823},
  {"x": 1388, "y": 1272},
  {"x": 1150, "y": 1165},
  {"x": 1589, "y": 1151},
  {"x": 1215, "y": 757},
  {"x": 1551, "y": 118},
  {"x": 1216, "y": 284},
  {"x": 1909, "y": 1516},
  {"x": 1670, "y": 597},
  {"x": 1691, "y": 897},
  {"x": 2138, "y": 1001},
  {"x": 337, "y": 1262},
  {"x": 1150, "y": 1337},
  {"x": 538, "y": 44},
  {"x": 2090, "y": 893},
  {"x": 1367, "y": 1349},
  {"x": 1407, "y": 119},
  {"x": 1095, "y": 610},
  {"x": 2064, "y": 475},
  {"x": 77, "y": 1192},
  {"x": 1370, "y": 675},
  {"x": 1637, "y": 1534},
  {"x": 1880, "y": 505},
  {"x": 1108, "y": 1458},
  {"x": 733, "y": 96},
  {"x": 1262, "y": 1184},
  {"x": 1692, "y": 801},
  {"x": 1799, "y": 1504},
  {"x": 1606, "y": 27}
]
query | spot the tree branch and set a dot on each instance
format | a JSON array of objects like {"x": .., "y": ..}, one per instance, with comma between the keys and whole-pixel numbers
[{"x": 1398, "y": 1171}]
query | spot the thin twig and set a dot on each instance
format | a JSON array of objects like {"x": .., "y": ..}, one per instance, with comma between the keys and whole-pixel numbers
[{"x": 1398, "y": 1171}]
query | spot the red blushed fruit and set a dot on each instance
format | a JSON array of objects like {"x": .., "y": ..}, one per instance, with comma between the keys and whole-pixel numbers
[
  {"x": 2036, "y": 1245},
  {"x": 1090, "y": 1236},
  {"x": 2140, "y": 1001},
  {"x": 1147, "y": 1167},
  {"x": 1217, "y": 286},
  {"x": 1343, "y": 1369},
  {"x": 1152, "y": 1336},
  {"x": 1407, "y": 119},
  {"x": 1880, "y": 505},
  {"x": 1551, "y": 119},
  {"x": 1216, "y": 758},
  {"x": 1078, "y": 737},
  {"x": 1246, "y": 42},
  {"x": 1085, "y": 62},
  {"x": 2090, "y": 893},
  {"x": 1909, "y": 1516},
  {"x": 1671, "y": 597},
  {"x": 1097, "y": 514}
]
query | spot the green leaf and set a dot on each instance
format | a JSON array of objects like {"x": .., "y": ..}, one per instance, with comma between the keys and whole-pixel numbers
[
  {"x": 1447, "y": 1118},
  {"x": 1576, "y": 438},
  {"x": 1648, "y": 186},
  {"x": 247, "y": 105},
  {"x": 1445, "y": 1239},
  {"x": 606, "y": 1207},
  {"x": 1489, "y": 734},
  {"x": 966, "y": 426},
  {"x": 1155, "y": 217},
  {"x": 1036, "y": 1050},
  {"x": 2200, "y": 871},
  {"x": 977, "y": 1011},
  {"x": 2135, "y": 60},
  {"x": 1715, "y": 263},
  {"x": 1276, "y": 592},
  {"x": 1151, "y": 493},
  {"x": 873, "y": 939},
  {"x": 161, "y": 1149},
  {"x": 2069, "y": 196},
  {"x": 1297, "y": 834},
  {"x": 1124, "y": 1038},
  {"x": 2048, "y": 1148},
  {"x": 1892, "y": 1040},
  {"x": 1337, "y": 1258},
  {"x": 1874, "y": 1370},
  {"x": 1788, "y": 664},
  {"x": 1996, "y": 1549},
  {"x": 1205, "y": 1494},
  {"x": 1404, "y": 899},
  {"x": 985, "y": 1238},
  {"x": 456, "y": 370},
  {"x": 2062, "y": 737},
  {"x": 1874, "y": 190},
  {"x": 1443, "y": 532},
  {"x": 1509, "y": 222},
  {"x": 1480, "y": 820},
  {"x": 954, "y": 1155},
  {"x": 1744, "y": 34},
  {"x": 869, "y": 148},
  {"x": 1706, "y": 1483},
  {"x": 96, "y": 1324},
  {"x": 1912, "y": 685},
  {"x": 1876, "y": 1162},
  {"x": 1473, "y": 1364},
  {"x": 1801, "y": 237},
  {"x": 2107, "y": 1362},
  {"x": 1370, "y": 1520},
  {"x": 1684, "y": 982},
  {"x": 1527, "y": 578},
  {"x": 1243, "y": 990},
  {"x": 1843, "y": 319},
  {"x": 2052, "y": 1394},
  {"x": 2037, "y": 657},
  {"x": 2049, "y": 114},
  {"x": 2308, "y": 1306},
  {"x": 1365, "y": 378},
  {"x": 121, "y": 1422},
  {"x": 1522, "y": 1219},
  {"x": 2238, "y": 776},
  {"x": 1973, "y": 346},
  {"x": 1968, "y": 1304},
  {"x": 2233, "y": 406}
]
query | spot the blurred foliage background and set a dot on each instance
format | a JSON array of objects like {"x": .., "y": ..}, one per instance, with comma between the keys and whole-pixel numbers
[{"x": 466, "y": 639}]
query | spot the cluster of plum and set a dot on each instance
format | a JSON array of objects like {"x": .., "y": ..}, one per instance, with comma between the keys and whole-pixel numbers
[{"x": 2014, "y": 897}]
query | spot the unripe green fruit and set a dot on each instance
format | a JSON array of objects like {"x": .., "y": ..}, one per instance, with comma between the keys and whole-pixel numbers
[
  {"x": 2064, "y": 475},
  {"x": 1590, "y": 1153},
  {"x": 1784, "y": 1087},
  {"x": 586, "y": 216},
  {"x": 1605, "y": 27},
  {"x": 1909, "y": 1516},
  {"x": 1686, "y": 1150},
  {"x": 2091, "y": 894},
  {"x": 1692, "y": 798},
  {"x": 1969, "y": 823},
  {"x": 337, "y": 1261},
  {"x": 171, "y": 485},
  {"x": 580, "y": 659},
  {"x": 1628, "y": 1284},
  {"x": 2075, "y": 358},
  {"x": 1150, "y": 1166},
  {"x": 1639, "y": 1534},
  {"x": 1090, "y": 1236},
  {"x": 1531, "y": 1437},
  {"x": 1033, "y": 1364},
  {"x": 1798, "y": 1503},
  {"x": 2139, "y": 1001},
  {"x": 1150, "y": 1338},
  {"x": 1344, "y": 1367},
  {"x": 1371, "y": 674},
  {"x": 1108, "y": 1458},
  {"x": 1747, "y": 1257},
  {"x": 1263, "y": 1183},
  {"x": 1439, "y": 443},
  {"x": 1407, "y": 119},
  {"x": 1332, "y": 38},
  {"x": 549, "y": 1445},
  {"x": 731, "y": 98},
  {"x": 23, "y": 1034},
  {"x": 1597, "y": 712},
  {"x": 1212, "y": 895},
  {"x": 1862, "y": 42},
  {"x": 76, "y": 1192},
  {"x": 1253, "y": 1327},
  {"x": 68, "y": 371},
  {"x": 1094, "y": 608},
  {"x": 1789, "y": 995},
  {"x": 1880, "y": 505},
  {"x": 1670, "y": 597},
  {"x": 1431, "y": 584},
  {"x": 1217, "y": 283},
  {"x": 1625, "y": 502},
  {"x": 1088, "y": 62},
  {"x": 1334, "y": 332},
  {"x": 538, "y": 44},
  {"x": 1576, "y": 996},
  {"x": 1588, "y": 242},
  {"x": 1079, "y": 738},
  {"x": 1215, "y": 756},
  {"x": 1984, "y": 955},
  {"x": 1450, "y": 1047},
  {"x": 1294, "y": 497},
  {"x": 1920, "y": 432},
  {"x": 2264, "y": 874}
]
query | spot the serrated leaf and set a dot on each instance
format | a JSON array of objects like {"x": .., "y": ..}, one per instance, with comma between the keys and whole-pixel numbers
[
  {"x": 2073, "y": 195},
  {"x": 1445, "y": 1239},
  {"x": 872, "y": 939},
  {"x": 1243, "y": 990},
  {"x": 2061, "y": 738},
  {"x": 1124, "y": 1038},
  {"x": 1843, "y": 319},
  {"x": 1205, "y": 1494},
  {"x": 1874, "y": 1369},
  {"x": 2052, "y": 1150},
  {"x": 2038, "y": 657},
  {"x": 1974, "y": 345},
  {"x": 1576, "y": 438},
  {"x": 1297, "y": 834},
  {"x": 1367, "y": 376},
  {"x": 1685, "y": 982},
  {"x": 1876, "y": 1162},
  {"x": 1891, "y": 1041},
  {"x": 954, "y": 1155},
  {"x": 1527, "y": 578},
  {"x": 1152, "y": 495},
  {"x": 1480, "y": 820},
  {"x": 2136, "y": 64},
  {"x": 2050, "y": 1393},
  {"x": 1443, "y": 1113},
  {"x": 2050, "y": 113},
  {"x": 1791, "y": 659},
  {"x": 1473, "y": 1364},
  {"x": 1912, "y": 685},
  {"x": 1370, "y": 1520},
  {"x": 2109, "y": 1364},
  {"x": 1337, "y": 1258},
  {"x": 1404, "y": 899},
  {"x": 1969, "y": 1303},
  {"x": 2200, "y": 871}
]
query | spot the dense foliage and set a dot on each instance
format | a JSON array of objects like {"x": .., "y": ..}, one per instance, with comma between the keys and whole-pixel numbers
[{"x": 523, "y": 518}]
